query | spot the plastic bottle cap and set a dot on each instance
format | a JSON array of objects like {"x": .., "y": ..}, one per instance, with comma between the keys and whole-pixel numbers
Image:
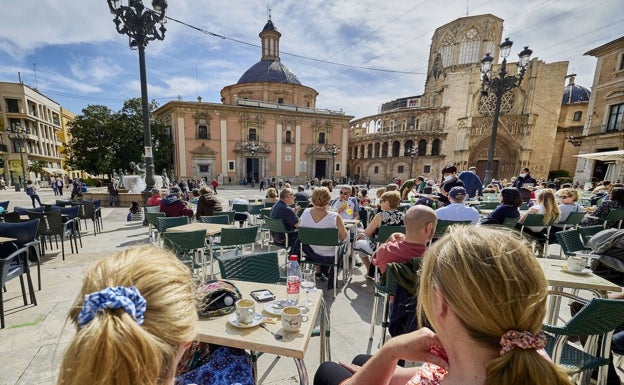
[{"x": 293, "y": 257}]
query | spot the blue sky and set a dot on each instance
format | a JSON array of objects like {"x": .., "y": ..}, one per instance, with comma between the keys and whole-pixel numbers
[{"x": 80, "y": 59}]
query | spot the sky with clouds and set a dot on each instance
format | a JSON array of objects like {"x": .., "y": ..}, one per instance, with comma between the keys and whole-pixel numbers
[{"x": 357, "y": 54}]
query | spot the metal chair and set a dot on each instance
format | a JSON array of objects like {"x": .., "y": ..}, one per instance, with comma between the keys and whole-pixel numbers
[
  {"x": 241, "y": 212},
  {"x": 71, "y": 219},
  {"x": 258, "y": 267},
  {"x": 587, "y": 232},
  {"x": 15, "y": 265},
  {"x": 441, "y": 227},
  {"x": 488, "y": 205},
  {"x": 570, "y": 242},
  {"x": 232, "y": 242},
  {"x": 97, "y": 213},
  {"x": 51, "y": 225},
  {"x": 276, "y": 225},
  {"x": 385, "y": 231},
  {"x": 324, "y": 237},
  {"x": 614, "y": 219},
  {"x": 87, "y": 212},
  {"x": 597, "y": 320},
  {"x": 537, "y": 220},
  {"x": 152, "y": 223},
  {"x": 510, "y": 222},
  {"x": 188, "y": 246},
  {"x": 164, "y": 223},
  {"x": 385, "y": 290},
  {"x": 218, "y": 219},
  {"x": 573, "y": 220}
]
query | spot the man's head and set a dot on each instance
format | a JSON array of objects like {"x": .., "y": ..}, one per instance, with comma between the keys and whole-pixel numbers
[
  {"x": 175, "y": 190},
  {"x": 287, "y": 195},
  {"x": 457, "y": 194},
  {"x": 300, "y": 188},
  {"x": 473, "y": 170},
  {"x": 420, "y": 179},
  {"x": 448, "y": 172},
  {"x": 420, "y": 224},
  {"x": 345, "y": 192}
]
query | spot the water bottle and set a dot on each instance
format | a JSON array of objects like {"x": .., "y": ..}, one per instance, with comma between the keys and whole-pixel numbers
[{"x": 293, "y": 280}]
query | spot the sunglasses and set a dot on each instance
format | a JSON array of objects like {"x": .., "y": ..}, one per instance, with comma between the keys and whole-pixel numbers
[
  {"x": 564, "y": 196},
  {"x": 345, "y": 192}
]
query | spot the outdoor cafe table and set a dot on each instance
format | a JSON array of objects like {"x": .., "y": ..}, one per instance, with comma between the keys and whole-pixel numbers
[
  {"x": 211, "y": 230},
  {"x": 295, "y": 345},
  {"x": 5, "y": 240},
  {"x": 560, "y": 279}
]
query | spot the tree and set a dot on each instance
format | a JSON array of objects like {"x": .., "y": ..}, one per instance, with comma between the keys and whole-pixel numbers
[
  {"x": 37, "y": 166},
  {"x": 103, "y": 141}
]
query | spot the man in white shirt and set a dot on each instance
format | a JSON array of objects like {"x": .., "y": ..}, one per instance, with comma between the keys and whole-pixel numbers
[
  {"x": 457, "y": 211},
  {"x": 346, "y": 205}
]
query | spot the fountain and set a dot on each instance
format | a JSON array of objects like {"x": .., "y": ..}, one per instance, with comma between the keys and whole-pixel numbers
[{"x": 136, "y": 183}]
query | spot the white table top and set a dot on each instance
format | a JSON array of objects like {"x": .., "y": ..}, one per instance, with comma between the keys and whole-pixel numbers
[
  {"x": 558, "y": 278},
  {"x": 295, "y": 345},
  {"x": 211, "y": 228},
  {"x": 7, "y": 239}
]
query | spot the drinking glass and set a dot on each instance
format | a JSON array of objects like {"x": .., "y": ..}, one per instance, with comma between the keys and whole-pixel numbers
[{"x": 308, "y": 282}]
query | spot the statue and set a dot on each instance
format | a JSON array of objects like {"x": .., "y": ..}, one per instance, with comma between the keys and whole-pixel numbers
[
  {"x": 121, "y": 175},
  {"x": 115, "y": 175},
  {"x": 165, "y": 179},
  {"x": 136, "y": 169}
]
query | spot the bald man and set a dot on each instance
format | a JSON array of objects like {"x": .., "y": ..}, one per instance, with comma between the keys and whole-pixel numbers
[{"x": 420, "y": 224}]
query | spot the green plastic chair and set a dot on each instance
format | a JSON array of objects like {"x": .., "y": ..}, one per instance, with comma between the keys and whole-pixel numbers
[
  {"x": 277, "y": 225},
  {"x": 152, "y": 222},
  {"x": 189, "y": 247},
  {"x": 259, "y": 267},
  {"x": 573, "y": 220},
  {"x": 443, "y": 225},
  {"x": 537, "y": 220},
  {"x": 614, "y": 219},
  {"x": 385, "y": 231},
  {"x": 588, "y": 231},
  {"x": 597, "y": 320},
  {"x": 488, "y": 205},
  {"x": 385, "y": 290},
  {"x": 510, "y": 222},
  {"x": 324, "y": 237}
]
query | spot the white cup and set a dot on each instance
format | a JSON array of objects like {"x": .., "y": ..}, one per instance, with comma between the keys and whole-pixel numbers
[
  {"x": 576, "y": 263},
  {"x": 292, "y": 319},
  {"x": 245, "y": 311}
]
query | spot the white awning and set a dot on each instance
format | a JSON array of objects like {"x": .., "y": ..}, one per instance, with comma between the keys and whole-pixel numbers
[
  {"x": 606, "y": 156},
  {"x": 54, "y": 171}
]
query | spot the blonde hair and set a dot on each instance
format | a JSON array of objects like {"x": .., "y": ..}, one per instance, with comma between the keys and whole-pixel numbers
[
  {"x": 493, "y": 284},
  {"x": 571, "y": 192},
  {"x": 271, "y": 193},
  {"x": 551, "y": 208},
  {"x": 320, "y": 197},
  {"x": 393, "y": 198},
  {"x": 112, "y": 349}
]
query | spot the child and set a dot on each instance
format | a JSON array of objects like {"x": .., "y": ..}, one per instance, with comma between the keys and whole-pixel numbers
[{"x": 135, "y": 214}]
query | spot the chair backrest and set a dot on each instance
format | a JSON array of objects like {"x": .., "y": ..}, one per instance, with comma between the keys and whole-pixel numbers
[
  {"x": 303, "y": 204},
  {"x": 97, "y": 204},
  {"x": 536, "y": 220},
  {"x": 24, "y": 210},
  {"x": 318, "y": 237},
  {"x": 151, "y": 218},
  {"x": 488, "y": 205},
  {"x": 570, "y": 241},
  {"x": 254, "y": 209},
  {"x": 442, "y": 225},
  {"x": 385, "y": 231},
  {"x": 71, "y": 212},
  {"x": 268, "y": 204},
  {"x": 240, "y": 208},
  {"x": 9, "y": 269},
  {"x": 152, "y": 209},
  {"x": 51, "y": 222},
  {"x": 219, "y": 219},
  {"x": 230, "y": 214},
  {"x": 24, "y": 232},
  {"x": 258, "y": 267},
  {"x": 11, "y": 217},
  {"x": 588, "y": 231},
  {"x": 599, "y": 316},
  {"x": 510, "y": 222},
  {"x": 87, "y": 209},
  {"x": 574, "y": 219},
  {"x": 164, "y": 223},
  {"x": 524, "y": 206},
  {"x": 615, "y": 216},
  {"x": 238, "y": 236},
  {"x": 5, "y": 205},
  {"x": 184, "y": 241},
  {"x": 276, "y": 225},
  {"x": 265, "y": 213}
]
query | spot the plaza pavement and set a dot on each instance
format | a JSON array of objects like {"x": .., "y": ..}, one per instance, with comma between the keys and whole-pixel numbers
[{"x": 33, "y": 342}]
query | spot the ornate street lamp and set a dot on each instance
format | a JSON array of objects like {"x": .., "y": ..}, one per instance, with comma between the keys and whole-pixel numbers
[
  {"x": 140, "y": 24},
  {"x": 333, "y": 151},
  {"x": 411, "y": 152},
  {"x": 252, "y": 147},
  {"x": 499, "y": 85},
  {"x": 19, "y": 134}
]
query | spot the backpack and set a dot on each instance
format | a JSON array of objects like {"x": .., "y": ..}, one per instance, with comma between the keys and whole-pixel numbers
[
  {"x": 216, "y": 298},
  {"x": 30, "y": 191}
]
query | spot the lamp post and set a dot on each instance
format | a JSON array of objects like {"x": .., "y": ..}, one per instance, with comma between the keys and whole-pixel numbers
[
  {"x": 411, "y": 152},
  {"x": 19, "y": 135},
  {"x": 499, "y": 85},
  {"x": 333, "y": 151},
  {"x": 139, "y": 23},
  {"x": 252, "y": 147}
]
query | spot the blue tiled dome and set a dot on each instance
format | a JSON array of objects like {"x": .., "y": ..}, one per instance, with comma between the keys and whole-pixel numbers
[
  {"x": 573, "y": 94},
  {"x": 269, "y": 71}
]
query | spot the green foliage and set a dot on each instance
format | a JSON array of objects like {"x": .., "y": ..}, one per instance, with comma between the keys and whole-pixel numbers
[
  {"x": 558, "y": 174},
  {"x": 103, "y": 140},
  {"x": 37, "y": 166}
]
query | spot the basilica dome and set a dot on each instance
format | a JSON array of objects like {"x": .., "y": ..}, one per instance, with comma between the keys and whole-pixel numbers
[
  {"x": 269, "y": 71},
  {"x": 574, "y": 94}
]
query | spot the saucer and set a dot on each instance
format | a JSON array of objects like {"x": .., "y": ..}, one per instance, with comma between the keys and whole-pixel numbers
[
  {"x": 233, "y": 320},
  {"x": 582, "y": 272},
  {"x": 275, "y": 307}
]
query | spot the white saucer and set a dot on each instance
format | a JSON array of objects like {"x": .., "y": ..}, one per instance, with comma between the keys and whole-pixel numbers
[
  {"x": 274, "y": 310},
  {"x": 582, "y": 272},
  {"x": 233, "y": 320}
]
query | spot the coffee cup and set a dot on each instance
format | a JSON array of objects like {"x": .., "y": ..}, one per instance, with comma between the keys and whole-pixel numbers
[
  {"x": 245, "y": 311},
  {"x": 292, "y": 319},
  {"x": 576, "y": 263}
]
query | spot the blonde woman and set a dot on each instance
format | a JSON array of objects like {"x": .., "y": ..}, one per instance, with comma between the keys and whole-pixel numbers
[
  {"x": 135, "y": 316},
  {"x": 271, "y": 195},
  {"x": 484, "y": 294},
  {"x": 546, "y": 204}
]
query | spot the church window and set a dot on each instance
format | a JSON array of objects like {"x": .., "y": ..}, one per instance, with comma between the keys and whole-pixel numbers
[
  {"x": 577, "y": 116},
  {"x": 252, "y": 135},
  {"x": 395, "y": 148},
  {"x": 615, "y": 117},
  {"x": 469, "y": 48},
  {"x": 321, "y": 138},
  {"x": 422, "y": 147},
  {"x": 435, "y": 147},
  {"x": 202, "y": 132},
  {"x": 288, "y": 136}
]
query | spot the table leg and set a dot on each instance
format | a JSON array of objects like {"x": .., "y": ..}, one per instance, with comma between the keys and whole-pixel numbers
[{"x": 325, "y": 348}]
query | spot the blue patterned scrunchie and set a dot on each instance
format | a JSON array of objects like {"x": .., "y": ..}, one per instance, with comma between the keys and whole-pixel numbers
[{"x": 127, "y": 298}]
